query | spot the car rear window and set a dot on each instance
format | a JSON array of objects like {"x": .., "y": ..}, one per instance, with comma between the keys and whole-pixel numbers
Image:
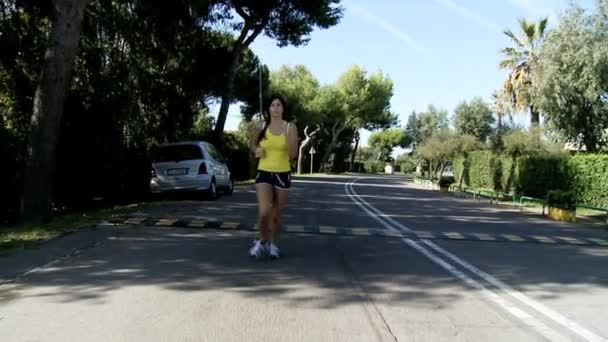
[{"x": 176, "y": 153}]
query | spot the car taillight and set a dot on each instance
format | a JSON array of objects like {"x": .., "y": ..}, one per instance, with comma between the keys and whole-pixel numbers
[
  {"x": 153, "y": 173},
  {"x": 202, "y": 169}
]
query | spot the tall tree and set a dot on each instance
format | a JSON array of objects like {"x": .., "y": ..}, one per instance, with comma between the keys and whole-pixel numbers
[
  {"x": 519, "y": 60},
  {"x": 421, "y": 126},
  {"x": 299, "y": 87},
  {"x": 288, "y": 22},
  {"x": 48, "y": 105},
  {"x": 386, "y": 140},
  {"x": 438, "y": 151},
  {"x": 474, "y": 118},
  {"x": 356, "y": 101},
  {"x": 501, "y": 106},
  {"x": 570, "y": 82}
]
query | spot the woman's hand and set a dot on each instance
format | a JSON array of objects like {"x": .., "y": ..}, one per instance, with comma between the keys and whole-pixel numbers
[{"x": 258, "y": 152}]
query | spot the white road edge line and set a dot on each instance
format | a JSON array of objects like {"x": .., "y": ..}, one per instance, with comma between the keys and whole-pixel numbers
[
  {"x": 547, "y": 312},
  {"x": 518, "y": 313},
  {"x": 375, "y": 185}
]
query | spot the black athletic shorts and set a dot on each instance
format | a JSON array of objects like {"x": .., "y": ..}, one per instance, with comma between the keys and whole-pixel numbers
[{"x": 279, "y": 180}]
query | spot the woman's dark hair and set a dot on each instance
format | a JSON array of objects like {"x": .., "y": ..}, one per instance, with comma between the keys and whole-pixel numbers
[{"x": 266, "y": 115}]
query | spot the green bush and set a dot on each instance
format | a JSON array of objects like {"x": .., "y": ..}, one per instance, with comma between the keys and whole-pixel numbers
[
  {"x": 536, "y": 175},
  {"x": 508, "y": 174},
  {"x": 458, "y": 165},
  {"x": 372, "y": 166},
  {"x": 239, "y": 159},
  {"x": 446, "y": 181},
  {"x": 590, "y": 178},
  {"x": 484, "y": 170},
  {"x": 561, "y": 199},
  {"x": 406, "y": 165}
]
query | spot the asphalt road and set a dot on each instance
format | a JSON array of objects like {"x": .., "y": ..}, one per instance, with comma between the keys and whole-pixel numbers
[{"x": 477, "y": 276}]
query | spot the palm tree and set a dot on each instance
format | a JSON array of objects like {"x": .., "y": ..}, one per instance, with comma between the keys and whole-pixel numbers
[
  {"x": 502, "y": 106},
  {"x": 519, "y": 59}
]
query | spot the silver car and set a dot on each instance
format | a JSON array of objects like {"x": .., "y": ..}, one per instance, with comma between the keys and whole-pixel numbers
[{"x": 189, "y": 166}]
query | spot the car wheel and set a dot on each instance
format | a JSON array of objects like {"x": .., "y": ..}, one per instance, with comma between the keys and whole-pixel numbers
[
  {"x": 230, "y": 189},
  {"x": 212, "y": 191}
]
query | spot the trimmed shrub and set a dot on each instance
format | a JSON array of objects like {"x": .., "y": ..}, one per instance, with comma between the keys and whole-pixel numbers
[
  {"x": 529, "y": 175},
  {"x": 374, "y": 166},
  {"x": 536, "y": 175},
  {"x": 484, "y": 170},
  {"x": 508, "y": 173},
  {"x": 590, "y": 178},
  {"x": 458, "y": 165},
  {"x": 561, "y": 199}
]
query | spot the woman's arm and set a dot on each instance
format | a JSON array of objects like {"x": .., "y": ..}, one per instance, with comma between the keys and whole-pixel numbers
[
  {"x": 292, "y": 141},
  {"x": 254, "y": 133}
]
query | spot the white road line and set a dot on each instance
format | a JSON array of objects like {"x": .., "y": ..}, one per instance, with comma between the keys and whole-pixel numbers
[
  {"x": 547, "y": 312},
  {"x": 523, "y": 316},
  {"x": 520, "y": 314},
  {"x": 375, "y": 185}
]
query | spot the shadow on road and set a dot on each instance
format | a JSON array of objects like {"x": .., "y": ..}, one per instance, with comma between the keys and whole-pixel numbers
[{"x": 320, "y": 271}]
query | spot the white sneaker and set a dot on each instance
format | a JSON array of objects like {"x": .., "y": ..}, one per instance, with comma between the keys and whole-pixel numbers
[
  {"x": 275, "y": 253},
  {"x": 258, "y": 250}
]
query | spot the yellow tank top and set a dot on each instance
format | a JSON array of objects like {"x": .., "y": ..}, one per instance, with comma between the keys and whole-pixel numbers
[{"x": 275, "y": 158}]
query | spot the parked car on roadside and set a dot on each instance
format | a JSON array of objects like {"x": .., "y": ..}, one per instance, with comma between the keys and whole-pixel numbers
[{"x": 189, "y": 166}]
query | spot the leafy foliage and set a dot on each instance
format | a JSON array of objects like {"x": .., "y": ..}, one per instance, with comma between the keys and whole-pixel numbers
[
  {"x": 385, "y": 141},
  {"x": 570, "y": 83},
  {"x": 474, "y": 118},
  {"x": 590, "y": 179},
  {"x": 561, "y": 199}
]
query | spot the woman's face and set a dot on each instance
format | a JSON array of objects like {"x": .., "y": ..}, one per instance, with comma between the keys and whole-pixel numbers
[{"x": 276, "y": 109}]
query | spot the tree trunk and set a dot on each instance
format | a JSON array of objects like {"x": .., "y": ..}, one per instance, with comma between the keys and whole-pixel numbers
[
  {"x": 241, "y": 43},
  {"x": 227, "y": 94},
  {"x": 328, "y": 152},
  {"x": 464, "y": 169},
  {"x": 352, "y": 157},
  {"x": 441, "y": 171},
  {"x": 303, "y": 146},
  {"x": 534, "y": 117},
  {"x": 336, "y": 130},
  {"x": 48, "y": 107}
]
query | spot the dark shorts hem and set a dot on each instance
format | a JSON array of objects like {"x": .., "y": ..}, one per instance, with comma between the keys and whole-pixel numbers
[{"x": 278, "y": 180}]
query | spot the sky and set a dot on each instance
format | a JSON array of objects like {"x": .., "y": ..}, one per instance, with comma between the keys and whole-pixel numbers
[{"x": 435, "y": 51}]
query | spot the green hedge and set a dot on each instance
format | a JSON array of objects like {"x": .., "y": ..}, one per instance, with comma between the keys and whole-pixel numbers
[
  {"x": 590, "y": 179},
  {"x": 536, "y": 175},
  {"x": 509, "y": 174},
  {"x": 374, "y": 166},
  {"x": 458, "y": 165},
  {"x": 484, "y": 170},
  {"x": 561, "y": 199},
  {"x": 531, "y": 175},
  {"x": 407, "y": 166}
]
